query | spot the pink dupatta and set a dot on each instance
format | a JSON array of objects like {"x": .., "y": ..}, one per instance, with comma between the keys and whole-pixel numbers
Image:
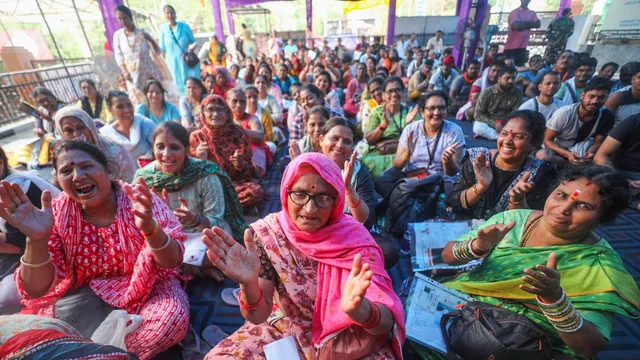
[{"x": 334, "y": 246}]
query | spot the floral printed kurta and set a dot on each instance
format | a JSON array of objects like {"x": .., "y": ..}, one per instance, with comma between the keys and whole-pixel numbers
[{"x": 296, "y": 283}]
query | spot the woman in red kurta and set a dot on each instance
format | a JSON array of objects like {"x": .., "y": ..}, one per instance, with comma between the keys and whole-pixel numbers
[{"x": 118, "y": 242}]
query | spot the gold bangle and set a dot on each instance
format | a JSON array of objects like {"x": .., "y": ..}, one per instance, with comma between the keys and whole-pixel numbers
[
  {"x": 155, "y": 230},
  {"x": 475, "y": 190},
  {"x": 29, "y": 265}
]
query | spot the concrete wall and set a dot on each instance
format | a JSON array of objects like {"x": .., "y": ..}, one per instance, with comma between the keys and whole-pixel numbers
[
  {"x": 426, "y": 26},
  {"x": 620, "y": 54}
]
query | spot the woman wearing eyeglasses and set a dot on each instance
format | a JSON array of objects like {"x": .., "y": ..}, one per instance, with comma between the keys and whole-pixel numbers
[
  {"x": 382, "y": 130},
  {"x": 221, "y": 141},
  {"x": 335, "y": 298},
  {"x": 429, "y": 146}
]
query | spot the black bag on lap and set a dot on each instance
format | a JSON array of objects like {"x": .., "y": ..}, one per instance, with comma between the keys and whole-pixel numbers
[
  {"x": 481, "y": 332},
  {"x": 411, "y": 200}
]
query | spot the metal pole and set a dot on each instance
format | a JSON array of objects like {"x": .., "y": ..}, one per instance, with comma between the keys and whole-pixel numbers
[
  {"x": 86, "y": 38},
  {"x": 6, "y": 32},
  {"x": 64, "y": 64}
]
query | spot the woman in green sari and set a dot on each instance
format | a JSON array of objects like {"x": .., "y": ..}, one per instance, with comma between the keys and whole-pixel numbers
[
  {"x": 382, "y": 131},
  {"x": 537, "y": 259},
  {"x": 199, "y": 192}
]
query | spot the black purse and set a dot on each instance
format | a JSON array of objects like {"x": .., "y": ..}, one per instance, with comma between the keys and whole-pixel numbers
[
  {"x": 189, "y": 57},
  {"x": 481, "y": 331}
]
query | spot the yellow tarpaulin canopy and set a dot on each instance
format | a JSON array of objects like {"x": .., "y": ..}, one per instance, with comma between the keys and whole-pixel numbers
[{"x": 367, "y": 4}]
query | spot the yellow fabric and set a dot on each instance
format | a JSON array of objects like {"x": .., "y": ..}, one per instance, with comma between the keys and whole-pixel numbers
[
  {"x": 106, "y": 116},
  {"x": 366, "y": 4},
  {"x": 267, "y": 124},
  {"x": 22, "y": 155}
]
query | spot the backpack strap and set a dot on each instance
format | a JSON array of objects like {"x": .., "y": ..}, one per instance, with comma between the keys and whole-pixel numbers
[{"x": 451, "y": 355}]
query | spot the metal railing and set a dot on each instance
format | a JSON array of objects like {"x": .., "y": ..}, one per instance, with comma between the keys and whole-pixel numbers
[{"x": 62, "y": 82}]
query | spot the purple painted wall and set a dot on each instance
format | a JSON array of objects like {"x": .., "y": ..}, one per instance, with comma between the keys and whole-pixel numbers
[{"x": 391, "y": 22}]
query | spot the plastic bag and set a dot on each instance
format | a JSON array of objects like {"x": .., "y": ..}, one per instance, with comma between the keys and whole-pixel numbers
[{"x": 115, "y": 328}]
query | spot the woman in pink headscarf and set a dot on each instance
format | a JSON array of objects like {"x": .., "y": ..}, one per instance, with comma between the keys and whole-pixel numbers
[{"x": 334, "y": 297}]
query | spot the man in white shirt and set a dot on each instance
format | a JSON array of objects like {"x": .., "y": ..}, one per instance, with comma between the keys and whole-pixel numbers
[
  {"x": 400, "y": 46},
  {"x": 436, "y": 43},
  {"x": 413, "y": 42},
  {"x": 545, "y": 103},
  {"x": 415, "y": 64}
]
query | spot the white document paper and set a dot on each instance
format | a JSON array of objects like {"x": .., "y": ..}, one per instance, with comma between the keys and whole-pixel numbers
[
  {"x": 312, "y": 54},
  {"x": 428, "y": 301},
  {"x": 429, "y": 238},
  {"x": 282, "y": 349}
]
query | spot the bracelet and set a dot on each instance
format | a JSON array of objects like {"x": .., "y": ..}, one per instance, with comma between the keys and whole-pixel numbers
[
  {"x": 463, "y": 199},
  {"x": 155, "y": 230},
  {"x": 29, "y": 265},
  {"x": 561, "y": 314},
  {"x": 382, "y": 128},
  {"x": 374, "y": 320},
  {"x": 348, "y": 191},
  {"x": 482, "y": 254},
  {"x": 357, "y": 203},
  {"x": 475, "y": 189},
  {"x": 166, "y": 243},
  {"x": 250, "y": 307}
]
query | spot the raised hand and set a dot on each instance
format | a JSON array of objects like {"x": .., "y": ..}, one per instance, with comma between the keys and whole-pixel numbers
[
  {"x": 522, "y": 188},
  {"x": 482, "y": 169},
  {"x": 356, "y": 286},
  {"x": 544, "y": 281},
  {"x": 236, "y": 159},
  {"x": 348, "y": 171},
  {"x": 183, "y": 214},
  {"x": 164, "y": 195},
  {"x": 294, "y": 150},
  {"x": 411, "y": 145},
  {"x": 240, "y": 264},
  {"x": 202, "y": 151},
  {"x": 411, "y": 115},
  {"x": 447, "y": 154},
  {"x": 141, "y": 205},
  {"x": 490, "y": 236},
  {"x": 18, "y": 211}
]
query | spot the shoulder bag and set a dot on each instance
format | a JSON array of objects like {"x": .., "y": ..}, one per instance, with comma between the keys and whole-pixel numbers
[
  {"x": 189, "y": 57},
  {"x": 481, "y": 331}
]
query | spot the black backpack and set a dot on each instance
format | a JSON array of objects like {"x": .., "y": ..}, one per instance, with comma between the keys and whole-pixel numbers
[
  {"x": 410, "y": 201},
  {"x": 485, "y": 332}
]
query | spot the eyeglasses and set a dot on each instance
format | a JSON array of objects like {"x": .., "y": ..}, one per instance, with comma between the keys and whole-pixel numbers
[
  {"x": 394, "y": 91},
  {"x": 214, "y": 110},
  {"x": 301, "y": 198},
  {"x": 442, "y": 108},
  {"x": 373, "y": 91}
]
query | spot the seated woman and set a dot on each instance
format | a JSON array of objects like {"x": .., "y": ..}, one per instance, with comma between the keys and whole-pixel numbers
[
  {"x": 323, "y": 81},
  {"x": 224, "y": 82},
  {"x": 335, "y": 297},
  {"x": 317, "y": 118},
  {"x": 492, "y": 181},
  {"x": 209, "y": 82},
  {"x": 130, "y": 130},
  {"x": 12, "y": 240},
  {"x": 583, "y": 276},
  {"x": 254, "y": 108},
  {"x": 383, "y": 128},
  {"x": 267, "y": 101},
  {"x": 199, "y": 192},
  {"x": 262, "y": 156},
  {"x": 429, "y": 146},
  {"x": 225, "y": 143},
  {"x": 190, "y": 104},
  {"x": 75, "y": 124},
  {"x": 93, "y": 103},
  {"x": 100, "y": 246},
  {"x": 355, "y": 88},
  {"x": 309, "y": 96},
  {"x": 156, "y": 107},
  {"x": 265, "y": 70}
]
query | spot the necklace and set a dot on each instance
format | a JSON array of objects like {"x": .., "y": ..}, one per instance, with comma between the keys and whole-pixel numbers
[{"x": 528, "y": 230}]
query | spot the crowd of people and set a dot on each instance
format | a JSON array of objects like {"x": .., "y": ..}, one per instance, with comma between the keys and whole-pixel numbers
[{"x": 152, "y": 183}]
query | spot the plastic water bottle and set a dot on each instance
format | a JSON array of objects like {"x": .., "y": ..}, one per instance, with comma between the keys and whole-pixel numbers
[{"x": 441, "y": 208}]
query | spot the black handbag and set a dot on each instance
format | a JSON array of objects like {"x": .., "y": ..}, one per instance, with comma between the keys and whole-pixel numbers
[
  {"x": 481, "y": 332},
  {"x": 189, "y": 57}
]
